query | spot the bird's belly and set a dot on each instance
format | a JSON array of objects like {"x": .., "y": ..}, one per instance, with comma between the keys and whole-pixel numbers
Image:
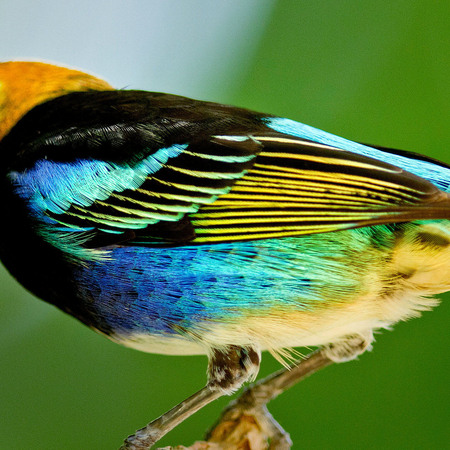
[
  {"x": 273, "y": 294},
  {"x": 276, "y": 330}
]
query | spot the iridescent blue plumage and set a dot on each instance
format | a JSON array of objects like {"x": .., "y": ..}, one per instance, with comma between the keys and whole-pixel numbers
[
  {"x": 55, "y": 186},
  {"x": 191, "y": 288}
]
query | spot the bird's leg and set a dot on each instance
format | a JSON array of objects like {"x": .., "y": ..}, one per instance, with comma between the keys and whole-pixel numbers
[
  {"x": 250, "y": 408},
  {"x": 145, "y": 437},
  {"x": 247, "y": 423},
  {"x": 270, "y": 387},
  {"x": 228, "y": 369}
]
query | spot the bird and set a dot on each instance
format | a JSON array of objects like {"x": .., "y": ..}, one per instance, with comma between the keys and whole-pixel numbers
[{"x": 179, "y": 226}]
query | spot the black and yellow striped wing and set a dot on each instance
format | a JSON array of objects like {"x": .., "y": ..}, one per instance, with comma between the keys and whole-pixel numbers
[
  {"x": 233, "y": 188},
  {"x": 299, "y": 187},
  {"x": 147, "y": 168}
]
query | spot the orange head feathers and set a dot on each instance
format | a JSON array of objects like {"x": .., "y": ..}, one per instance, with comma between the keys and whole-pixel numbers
[{"x": 24, "y": 85}]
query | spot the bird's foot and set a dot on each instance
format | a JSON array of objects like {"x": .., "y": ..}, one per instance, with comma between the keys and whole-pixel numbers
[
  {"x": 246, "y": 422},
  {"x": 349, "y": 347},
  {"x": 252, "y": 429},
  {"x": 238, "y": 427},
  {"x": 228, "y": 369}
]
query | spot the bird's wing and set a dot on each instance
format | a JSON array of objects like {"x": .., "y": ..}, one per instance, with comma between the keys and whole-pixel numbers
[
  {"x": 156, "y": 192},
  {"x": 226, "y": 177},
  {"x": 297, "y": 187},
  {"x": 228, "y": 188}
]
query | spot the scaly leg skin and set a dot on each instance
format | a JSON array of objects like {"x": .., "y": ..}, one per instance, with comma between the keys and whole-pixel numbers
[
  {"x": 228, "y": 369},
  {"x": 246, "y": 422}
]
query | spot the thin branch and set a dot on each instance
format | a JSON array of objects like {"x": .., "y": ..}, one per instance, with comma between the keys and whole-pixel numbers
[{"x": 246, "y": 422}]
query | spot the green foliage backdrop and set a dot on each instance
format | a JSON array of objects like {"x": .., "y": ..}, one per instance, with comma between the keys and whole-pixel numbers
[{"x": 376, "y": 72}]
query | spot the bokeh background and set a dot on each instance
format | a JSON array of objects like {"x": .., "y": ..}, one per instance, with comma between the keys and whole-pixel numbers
[{"x": 376, "y": 72}]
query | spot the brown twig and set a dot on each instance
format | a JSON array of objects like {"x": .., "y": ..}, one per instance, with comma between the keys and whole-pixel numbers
[{"x": 246, "y": 422}]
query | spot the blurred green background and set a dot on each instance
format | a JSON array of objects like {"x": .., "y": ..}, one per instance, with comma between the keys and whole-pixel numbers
[{"x": 375, "y": 72}]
